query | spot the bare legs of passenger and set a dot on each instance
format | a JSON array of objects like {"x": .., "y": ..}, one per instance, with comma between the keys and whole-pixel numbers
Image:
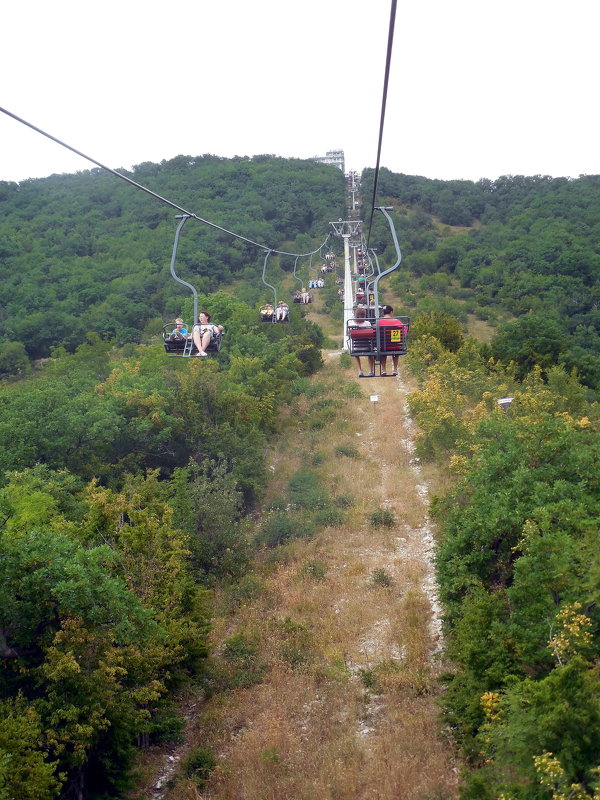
[
  {"x": 361, "y": 374},
  {"x": 384, "y": 365},
  {"x": 202, "y": 341}
]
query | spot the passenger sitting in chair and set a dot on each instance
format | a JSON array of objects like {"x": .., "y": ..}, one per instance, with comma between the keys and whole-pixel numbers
[
  {"x": 282, "y": 312},
  {"x": 204, "y": 332},
  {"x": 360, "y": 321},
  {"x": 266, "y": 313},
  {"x": 388, "y": 318},
  {"x": 179, "y": 331}
]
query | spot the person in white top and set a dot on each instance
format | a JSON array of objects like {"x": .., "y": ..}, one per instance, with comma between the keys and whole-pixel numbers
[
  {"x": 282, "y": 311},
  {"x": 360, "y": 321},
  {"x": 204, "y": 332}
]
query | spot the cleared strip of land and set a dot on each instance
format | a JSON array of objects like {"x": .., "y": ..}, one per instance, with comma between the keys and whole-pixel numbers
[{"x": 342, "y": 630}]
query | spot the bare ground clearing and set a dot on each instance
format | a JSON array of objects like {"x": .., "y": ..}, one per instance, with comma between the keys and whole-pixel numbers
[{"x": 346, "y": 627}]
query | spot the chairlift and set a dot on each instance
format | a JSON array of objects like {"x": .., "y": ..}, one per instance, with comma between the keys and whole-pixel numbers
[
  {"x": 278, "y": 311},
  {"x": 176, "y": 343},
  {"x": 383, "y": 338},
  {"x": 183, "y": 346}
]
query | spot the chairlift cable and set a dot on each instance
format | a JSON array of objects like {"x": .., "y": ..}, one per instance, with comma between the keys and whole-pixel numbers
[
  {"x": 149, "y": 191},
  {"x": 383, "y": 106}
]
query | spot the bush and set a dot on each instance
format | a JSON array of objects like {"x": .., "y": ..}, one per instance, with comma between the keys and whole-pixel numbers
[
  {"x": 347, "y": 450},
  {"x": 13, "y": 359},
  {"x": 379, "y": 577},
  {"x": 198, "y": 766},
  {"x": 300, "y": 386},
  {"x": 351, "y": 390},
  {"x": 317, "y": 422},
  {"x": 296, "y": 643},
  {"x": 241, "y": 666},
  {"x": 382, "y": 518},
  {"x": 281, "y": 528},
  {"x": 315, "y": 569},
  {"x": 306, "y": 491},
  {"x": 167, "y": 725},
  {"x": 329, "y": 517},
  {"x": 445, "y": 328},
  {"x": 248, "y": 588},
  {"x": 344, "y": 501}
]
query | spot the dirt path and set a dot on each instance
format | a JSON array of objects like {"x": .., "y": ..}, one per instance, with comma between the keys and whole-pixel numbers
[{"x": 343, "y": 631}]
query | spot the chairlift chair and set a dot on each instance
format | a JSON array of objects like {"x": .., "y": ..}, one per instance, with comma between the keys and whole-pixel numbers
[
  {"x": 380, "y": 340},
  {"x": 183, "y": 346}
]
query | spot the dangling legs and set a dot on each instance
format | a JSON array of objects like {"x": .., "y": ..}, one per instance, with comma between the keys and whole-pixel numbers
[{"x": 201, "y": 340}]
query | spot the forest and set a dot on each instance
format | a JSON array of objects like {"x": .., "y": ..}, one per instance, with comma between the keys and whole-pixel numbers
[
  {"x": 522, "y": 250},
  {"x": 129, "y": 480}
]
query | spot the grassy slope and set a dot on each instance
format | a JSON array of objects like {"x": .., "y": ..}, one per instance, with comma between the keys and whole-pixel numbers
[{"x": 346, "y": 707}]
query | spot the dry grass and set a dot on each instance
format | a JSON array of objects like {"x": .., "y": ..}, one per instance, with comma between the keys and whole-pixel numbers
[
  {"x": 480, "y": 328},
  {"x": 345, "y": 708}
]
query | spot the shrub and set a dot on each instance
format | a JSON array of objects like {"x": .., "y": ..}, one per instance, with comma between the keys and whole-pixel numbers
[
  {"x": 241, "y": 666},
  {"x": 345, "y": 360},
  {"x": 344, "y": 501},
  {"x": 315, "y": 569},
  {"x": 444, "y": 327},
  {"x": 306, "y": 491},
  {"x": 296, "y": 643},
  {"x": 247, "y": 588},
  {"x": 167, "y": 725},
  {"x": 198, "y": 766},
  {"x": 278, "y": 504},
  {"x": 277, "y": 529},
  {"x": 317, "y": 422},
  {"x": 281, "y": 528},
  {"x": 329, "y": 517},
  {"x": 299, "y": 386},
  {"x": 351, "y": 390},
  {"x": 379, "y": 577},
  {"x": 347, "y": 450},
  {"x": 382, "y": 518}
]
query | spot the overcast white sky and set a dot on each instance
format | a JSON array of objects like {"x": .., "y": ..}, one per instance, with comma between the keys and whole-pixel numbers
[{"x": 479, "y": 88}]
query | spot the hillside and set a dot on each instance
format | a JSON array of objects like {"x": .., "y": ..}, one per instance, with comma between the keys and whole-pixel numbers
[
  {"x": 328, "y": 656},
  {"x": 183, "y": 531},
  {"x": 90, "y": 253},
  {"x": 520, "y": 251}
]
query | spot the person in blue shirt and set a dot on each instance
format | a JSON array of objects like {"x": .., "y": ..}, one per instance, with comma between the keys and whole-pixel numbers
[{"x": 179, "y": 331}]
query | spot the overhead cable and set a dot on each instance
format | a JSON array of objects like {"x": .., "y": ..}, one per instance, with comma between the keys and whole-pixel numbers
[
  {"x": 154, "y": 194},
  {"x": 388, "y": 62}
]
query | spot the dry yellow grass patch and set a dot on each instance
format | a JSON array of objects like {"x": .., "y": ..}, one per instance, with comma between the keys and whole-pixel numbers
[{"x": 345, "y": 630}]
